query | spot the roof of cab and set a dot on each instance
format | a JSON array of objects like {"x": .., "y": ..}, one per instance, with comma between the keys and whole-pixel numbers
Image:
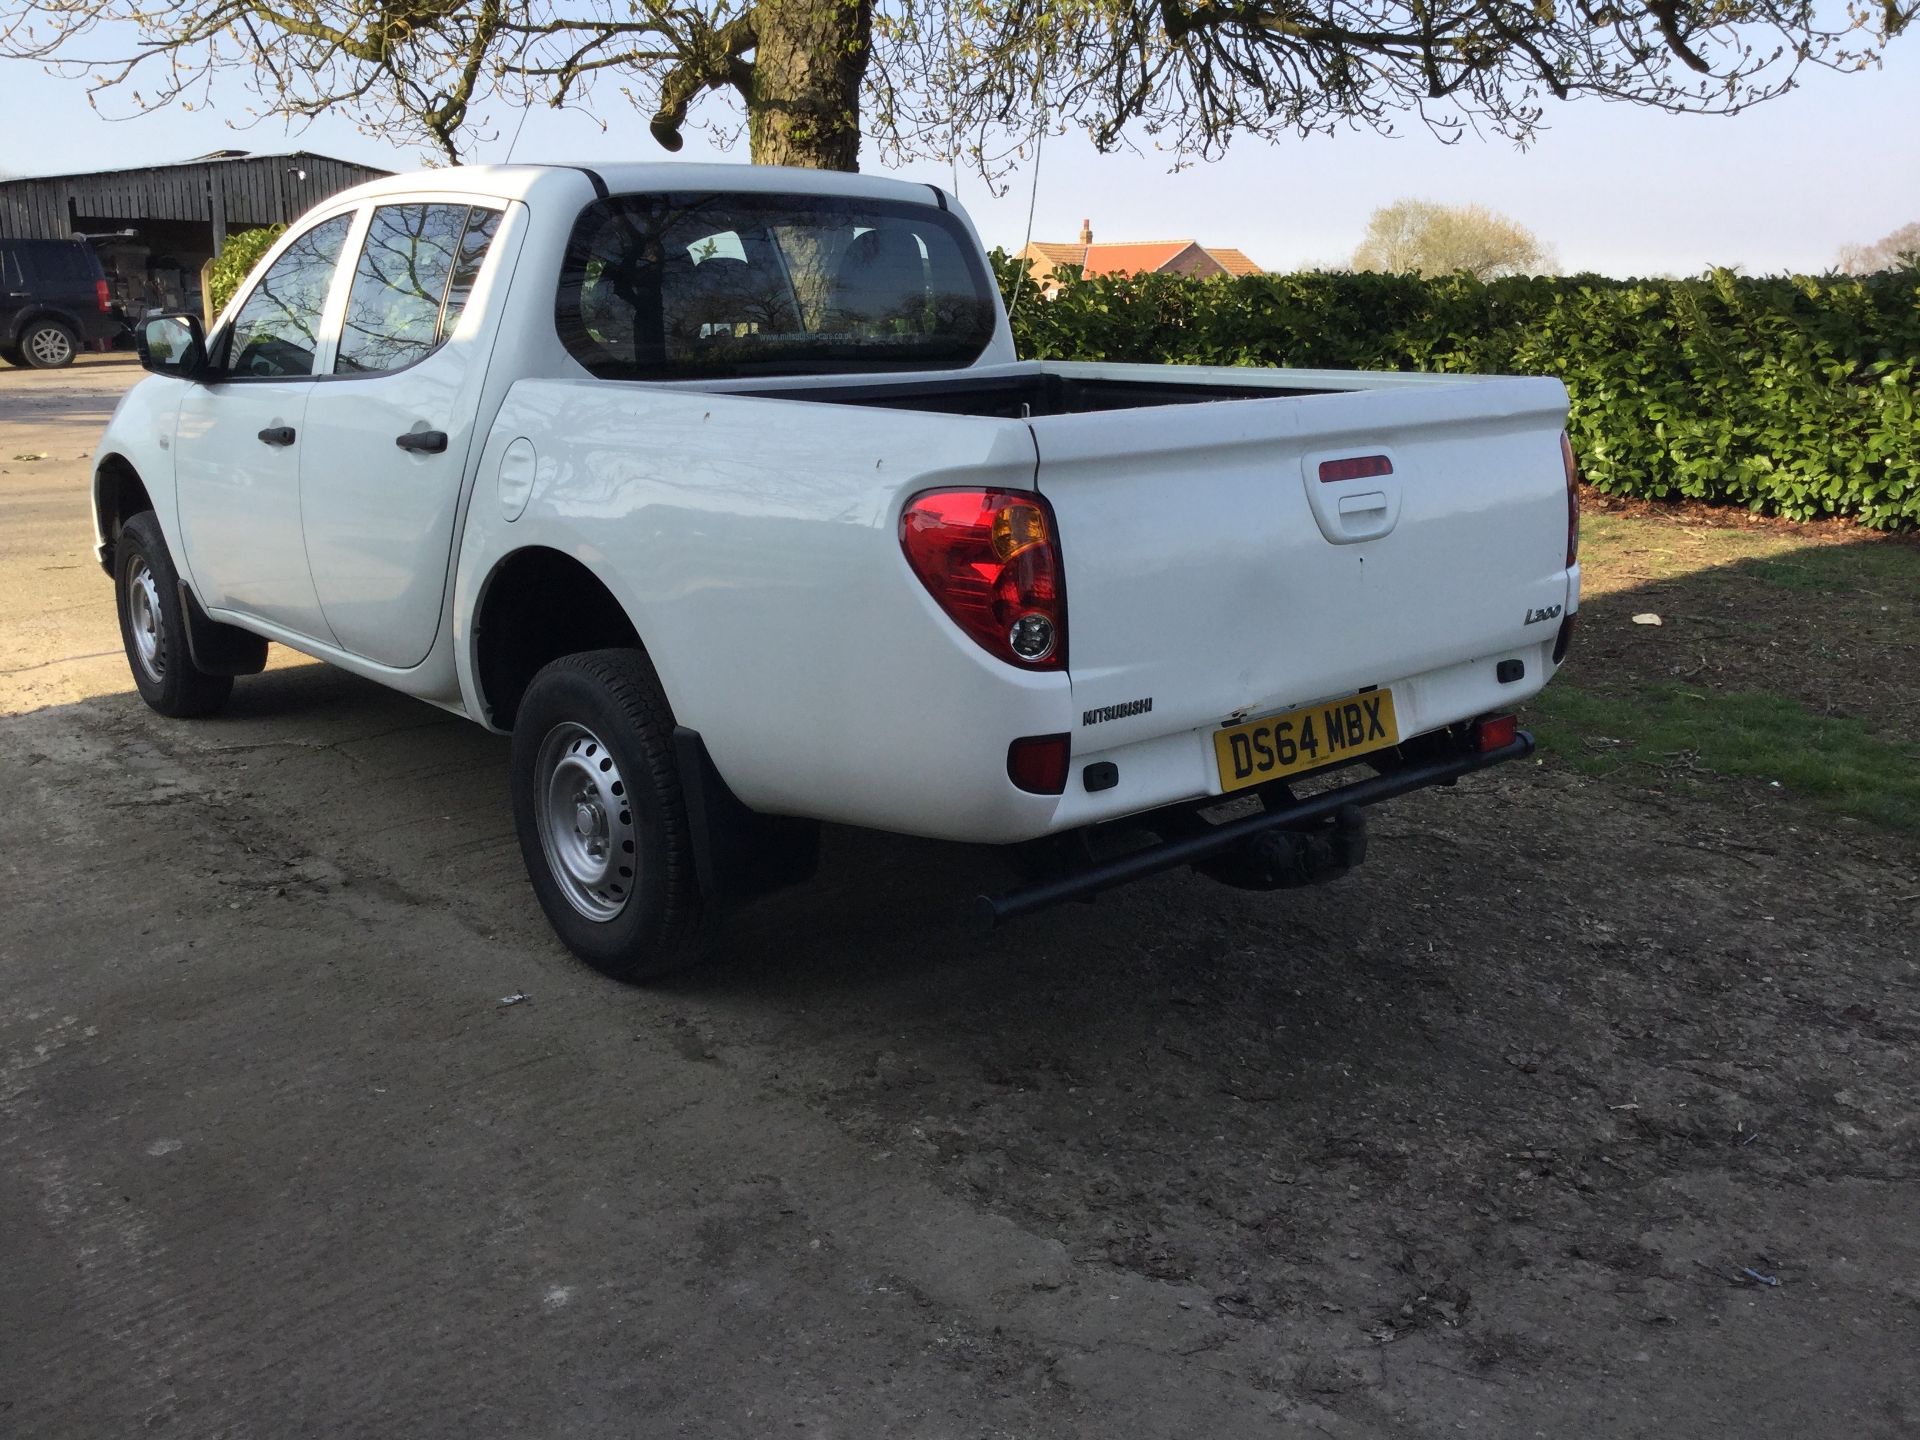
[{"x": 523, "y": 182}]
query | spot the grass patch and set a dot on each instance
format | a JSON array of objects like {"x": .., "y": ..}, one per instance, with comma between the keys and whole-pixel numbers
[
  {"x": 1832, "y": 762},
  {"x": 1890, "y": 572}
]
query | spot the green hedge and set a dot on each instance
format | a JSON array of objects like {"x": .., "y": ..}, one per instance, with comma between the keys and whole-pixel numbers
[
  {"x": 237, "y": 259},
  {"x": 1793, "y": 396}
]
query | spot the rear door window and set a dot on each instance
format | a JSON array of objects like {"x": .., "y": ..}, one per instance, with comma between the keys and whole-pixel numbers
[
  {"x": 416, "y": 272},
  {"x": 693, "y": 285},
  {"x": 276, "y": 332}
]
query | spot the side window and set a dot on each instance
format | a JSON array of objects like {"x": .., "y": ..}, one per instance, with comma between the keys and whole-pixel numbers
[
  {"x": 414, "y": 277},
  {"x": 274, "y": 333},
  {"x": 481, "y": 225},
  {"x": 71, "y": 264}
]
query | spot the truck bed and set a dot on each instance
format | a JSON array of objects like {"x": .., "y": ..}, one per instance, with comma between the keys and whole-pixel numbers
[
  {"x": 1214, "y": 571},
  {"x": 1046, "y": 388}
]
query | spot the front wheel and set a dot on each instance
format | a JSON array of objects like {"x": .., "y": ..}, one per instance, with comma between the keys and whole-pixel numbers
[
  {"x": 153, "y": 626},
  {"x": 601, "y": 817}
]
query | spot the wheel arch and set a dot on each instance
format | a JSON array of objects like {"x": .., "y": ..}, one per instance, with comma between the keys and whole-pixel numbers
[
  {"x": 119, "y": 494},
  {"x": 537, "y": 604},
  {"x": 25, "y": 320}
]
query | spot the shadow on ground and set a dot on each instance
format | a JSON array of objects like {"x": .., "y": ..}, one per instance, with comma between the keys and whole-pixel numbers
[{"x": 1511, "y": 1131}]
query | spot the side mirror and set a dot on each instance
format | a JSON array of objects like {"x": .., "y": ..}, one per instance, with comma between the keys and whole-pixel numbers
[{"x": 172, "y": 345}]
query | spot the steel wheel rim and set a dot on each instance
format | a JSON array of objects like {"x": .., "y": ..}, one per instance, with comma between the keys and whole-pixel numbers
[
  {"x": 49, "y": 346},
  {"x": 143, "y": 621},
  {"x": 585, "y": 819}
]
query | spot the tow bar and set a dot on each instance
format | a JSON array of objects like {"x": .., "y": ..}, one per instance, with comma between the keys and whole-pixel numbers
[{"x": 1105, "y": 874}]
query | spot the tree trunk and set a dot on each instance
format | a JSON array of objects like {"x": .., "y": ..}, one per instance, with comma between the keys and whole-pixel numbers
[{"x": 809, "y": 60}]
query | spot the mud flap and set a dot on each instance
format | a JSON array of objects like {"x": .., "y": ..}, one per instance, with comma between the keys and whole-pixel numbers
[
  {"x": 219, "y": 649},
  {"x": 738, "y": 853}
]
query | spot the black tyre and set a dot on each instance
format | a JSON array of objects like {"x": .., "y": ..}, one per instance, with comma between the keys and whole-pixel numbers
[
  {"x": 154, "y": 629},
  {"x": 601, "y": 816},
  {"x": 48, "y": 344}
]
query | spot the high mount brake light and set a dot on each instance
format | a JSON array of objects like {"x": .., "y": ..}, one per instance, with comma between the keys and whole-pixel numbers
[
  {"x": 1354, "y": 467},
  {"x": 991, "y": 559},
  {"x": 1573, "y": 498}
]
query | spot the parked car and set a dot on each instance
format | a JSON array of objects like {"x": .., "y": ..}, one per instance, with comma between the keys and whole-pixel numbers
[
  {"x": 722, "y": 492},
  {"x": 53, "y": 301}
]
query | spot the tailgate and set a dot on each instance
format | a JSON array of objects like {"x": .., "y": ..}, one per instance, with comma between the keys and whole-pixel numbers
[{"x": 1211, "y": 574}]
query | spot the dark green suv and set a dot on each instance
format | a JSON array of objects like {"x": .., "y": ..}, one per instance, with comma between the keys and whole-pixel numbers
[{"x": 53, "y": 300}]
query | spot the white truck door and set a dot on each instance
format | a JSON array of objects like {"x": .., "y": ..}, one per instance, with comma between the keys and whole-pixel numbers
[
  {"x": 238, "y": 443},
  {"x": 389, "y": 429}
]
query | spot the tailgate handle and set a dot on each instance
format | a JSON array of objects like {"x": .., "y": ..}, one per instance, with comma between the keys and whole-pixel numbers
[{"x": 1368, "y": 504}]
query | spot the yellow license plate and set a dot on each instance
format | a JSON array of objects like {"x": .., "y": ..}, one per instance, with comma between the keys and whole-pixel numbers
[{"x": 1305, "y": 739}]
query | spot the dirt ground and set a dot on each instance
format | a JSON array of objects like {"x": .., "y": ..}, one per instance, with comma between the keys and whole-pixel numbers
[{"x": 1585, "y": 1108}]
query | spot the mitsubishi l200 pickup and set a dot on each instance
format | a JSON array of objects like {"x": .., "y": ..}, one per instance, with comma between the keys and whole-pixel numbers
[{"x": 722, "y": 491}]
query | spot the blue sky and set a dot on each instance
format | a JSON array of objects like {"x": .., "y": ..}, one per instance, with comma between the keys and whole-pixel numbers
[{"x": 1612, "y": 188}]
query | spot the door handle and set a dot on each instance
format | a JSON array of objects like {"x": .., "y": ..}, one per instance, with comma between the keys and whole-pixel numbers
[
  {"x": 422, "y": 442},
  {"x": 277, "y": 435}
]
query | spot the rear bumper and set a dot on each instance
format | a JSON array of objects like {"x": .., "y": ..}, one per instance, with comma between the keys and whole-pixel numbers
[
  {"x": 1104, "y": 875},
  {"x": 1177, "y": 765}
]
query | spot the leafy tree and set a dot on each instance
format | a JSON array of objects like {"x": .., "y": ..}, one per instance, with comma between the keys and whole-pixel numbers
[
  {"x": 1895, "y": 251},
  {"x": 972, "y": 79},
  {"x": 1420, "y": 237}
]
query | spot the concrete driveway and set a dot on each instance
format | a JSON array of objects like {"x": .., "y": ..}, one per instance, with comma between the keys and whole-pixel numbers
[{"x": 1459, "y": 1146}]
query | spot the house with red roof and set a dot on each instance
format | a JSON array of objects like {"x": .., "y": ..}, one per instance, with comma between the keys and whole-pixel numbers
[{"x": 1054, "y": 262}]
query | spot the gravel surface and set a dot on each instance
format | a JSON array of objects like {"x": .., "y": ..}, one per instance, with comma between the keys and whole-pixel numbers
[{"x": 1582, "y": 1109}]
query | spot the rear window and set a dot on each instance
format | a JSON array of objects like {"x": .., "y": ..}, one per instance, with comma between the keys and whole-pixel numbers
[{"x": 699, "y": 285}]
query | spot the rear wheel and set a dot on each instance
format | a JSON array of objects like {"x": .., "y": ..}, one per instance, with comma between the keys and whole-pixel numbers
[
  {"x": 601, "y": 817},
  {"x": 48, "y": 344},
  {"x": 153, "y": 626}
]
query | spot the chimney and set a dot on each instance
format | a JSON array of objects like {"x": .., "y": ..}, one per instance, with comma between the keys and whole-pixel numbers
[{"x": 1086, "y": 232}]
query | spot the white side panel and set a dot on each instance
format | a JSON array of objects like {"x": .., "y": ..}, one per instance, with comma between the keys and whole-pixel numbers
[
  {"x": 239, "y": 501},
  {"x": 755, "y": 545},
  {"x": 140, "y": 432}
]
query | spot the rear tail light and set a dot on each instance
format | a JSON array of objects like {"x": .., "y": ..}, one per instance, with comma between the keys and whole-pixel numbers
[
  {"x": 991, "y": 559},
  {"x": 1573, "y": 498},
  {"x": 1038, "y": 763},
  {"x": 100, "y": 293},
  {"x": 1495, "y": 732}
]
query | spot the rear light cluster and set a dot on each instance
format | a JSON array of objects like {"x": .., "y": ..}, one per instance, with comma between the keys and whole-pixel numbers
[
  {"x": 991, "y": 560},
  {"x": 100, "y": 294},
  {"x": 1573, "y": 498},
  {"x": 1494, "y": 732},
  {"x": 1038, "y": 763}
]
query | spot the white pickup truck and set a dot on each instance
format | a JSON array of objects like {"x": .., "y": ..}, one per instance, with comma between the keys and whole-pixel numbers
[{"x": 722, "y": 491}]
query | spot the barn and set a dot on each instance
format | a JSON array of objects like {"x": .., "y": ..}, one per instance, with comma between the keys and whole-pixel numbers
[{"x": 155, "y": 227}]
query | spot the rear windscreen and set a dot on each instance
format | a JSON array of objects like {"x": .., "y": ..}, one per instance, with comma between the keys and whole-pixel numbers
[{"x": 702, "y": 286}]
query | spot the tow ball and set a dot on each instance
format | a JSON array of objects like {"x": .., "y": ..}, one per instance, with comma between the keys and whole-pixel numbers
[{"x": 1291, "y": 858}]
